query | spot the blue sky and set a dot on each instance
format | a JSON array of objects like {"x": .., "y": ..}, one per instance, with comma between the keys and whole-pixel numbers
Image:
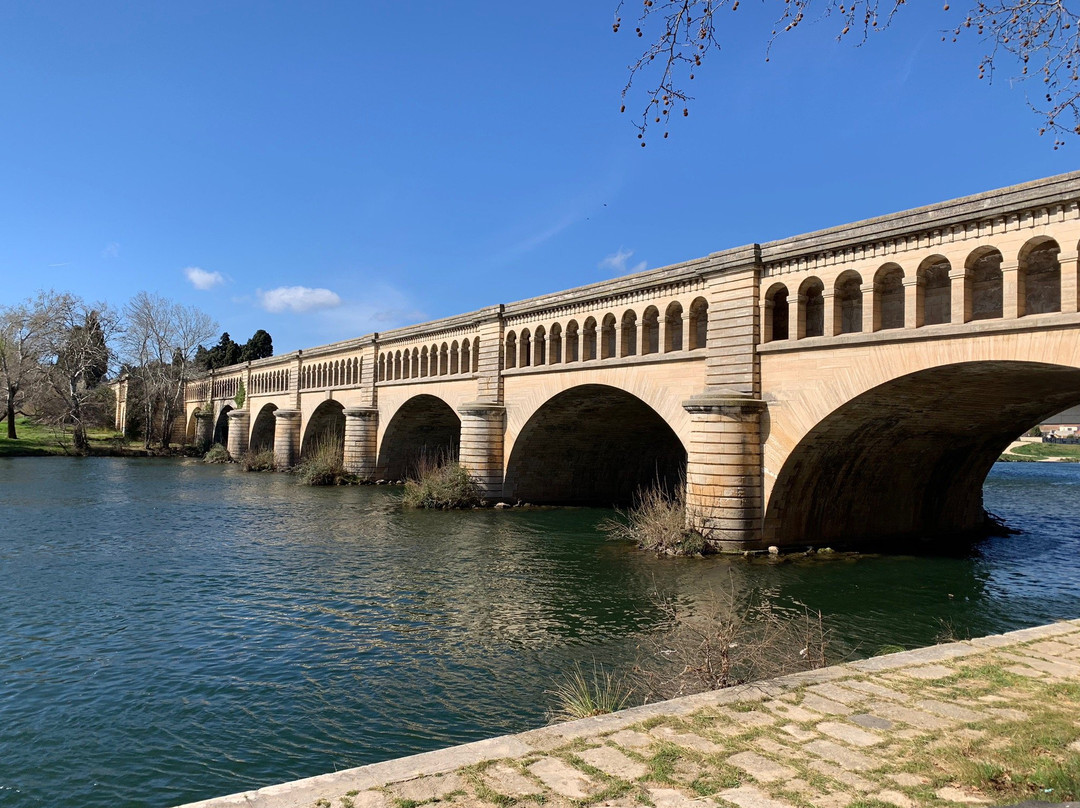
[{"x": 334, "y": 168}]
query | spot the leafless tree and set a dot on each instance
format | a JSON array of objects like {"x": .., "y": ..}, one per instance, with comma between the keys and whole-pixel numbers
[
  {"x": 23, "y": 341},
  {"x": 1042, "y": 38},
  {"x": 158, "y": 348}
]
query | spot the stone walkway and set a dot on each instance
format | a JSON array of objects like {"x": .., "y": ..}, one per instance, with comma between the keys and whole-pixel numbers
[{"x": 994, "y": 720}]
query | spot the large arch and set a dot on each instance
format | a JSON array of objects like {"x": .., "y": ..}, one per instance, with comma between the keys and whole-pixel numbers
[
  {"x": 262, "y": 430},
  {"x": 221, "y": 426},
  {"x": 424, "y": 428},
  {"x": 593, "y": 444},
  {"x": 326, "y": 425},
  {"x": 906, "y": 460}
]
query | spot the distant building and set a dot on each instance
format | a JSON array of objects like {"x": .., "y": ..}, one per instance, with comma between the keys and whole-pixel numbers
[{"x": 1063, "y": 424}]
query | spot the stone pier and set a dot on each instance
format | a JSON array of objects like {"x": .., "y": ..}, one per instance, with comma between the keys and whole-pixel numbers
[{"x": 286, "y": 438}]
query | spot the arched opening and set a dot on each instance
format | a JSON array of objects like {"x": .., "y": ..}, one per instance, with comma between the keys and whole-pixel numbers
[
  {"x": 588, "y": 339},
  {"x": 555, "y": 345},
  {"x": 539, "y": 345},
  {"x": 326, "y": 427},
  {"x": 382, "y": 367},
  {"x": 775, "y": 325},
  {"x": 629, "y": 334},
  {"x": 699, "y": 323},
  {"x": 424, "y": 362},
  {"x": 572, "y": 354},
  {"x": 935, "y": 291},
  {"x": 476, "y": 355},
  {"x": 907, "y": 459},
  {"x": 262, "y": 431},
  {"x": 455, "y": 357},
  {"x": 1040, "y": 277},
  {"x": 593, "y": 444},
  {"x": 424, "y": 429},
  {"x": 397, "y": 364},
  {"x": 444, "y": 359},
  {"x": 466, "y": 359},
  {"x": 192, "y": 426},
  {"x": 811, "y": 308},
  {"x": 510, "y": 356},
  {"x": 650, "y": 331},
  {"x": 673, "y": 322},
  {"x": 525, "y": 349},
  {"x": 415, "y": 363},
  {"x": 608, "y": 347},
  {"x": 848, "y": 303},
  {"x": 984, "y": 277},
  {"x": 221, "y": 426},
  {"x": 889, "y": 298}
]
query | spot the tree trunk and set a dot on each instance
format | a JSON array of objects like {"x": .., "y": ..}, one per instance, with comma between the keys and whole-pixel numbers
[{"x": 11, "y": 416}]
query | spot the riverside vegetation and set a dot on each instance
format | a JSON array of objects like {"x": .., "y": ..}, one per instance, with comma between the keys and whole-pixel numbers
[{"x": 441, "y": 484}]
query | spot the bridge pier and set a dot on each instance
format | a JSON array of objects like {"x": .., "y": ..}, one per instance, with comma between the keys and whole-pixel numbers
[
  {"x": 204, "y": 430},
  {"x": 483, "y": 426},
  {"x": 286, "y": 438},
  {"x": 238, "y": 432},
  {"x": 723, "y": 470},
  {"x": 361, "y": 437}
]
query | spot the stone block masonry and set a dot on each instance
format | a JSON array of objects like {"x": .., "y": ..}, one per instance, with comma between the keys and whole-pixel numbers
[{"x": 948, "y": 725}]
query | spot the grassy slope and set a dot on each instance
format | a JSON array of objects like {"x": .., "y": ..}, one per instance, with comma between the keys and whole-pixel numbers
[
  {"x": 35, "y": 439},
  {"x": 1044, "y": 451}
]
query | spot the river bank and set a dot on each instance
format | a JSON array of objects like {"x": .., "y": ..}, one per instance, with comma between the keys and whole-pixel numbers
[
  {"x": 987, "y": 721},
  {"x": 38, "y": 440}
]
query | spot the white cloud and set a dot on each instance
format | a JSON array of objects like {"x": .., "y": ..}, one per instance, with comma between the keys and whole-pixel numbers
[
  {"x": 112, "y": 250},
  {"x": 297, "y": 299},
  {"x": 617, "y": 262},
  {"x": 201, "y": 279}
]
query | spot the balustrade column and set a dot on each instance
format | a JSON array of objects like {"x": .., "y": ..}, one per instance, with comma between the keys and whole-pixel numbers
[
  {"x": 483, "y": 426},
  {"x": 1070, "y": 282},
  {"x": 204, "y": 430},
  {"x": 960, "y": 296},
  {"x": 912, "y": 309},
  {"x": 869, "y": 323},
  {"x": 723, "y": 470},
  {"x": 286, "y": 438},
  {"x": 239, "y": 422},
  {"x": 1012, "y": 292},
  {"x": 361, "y": 437}
]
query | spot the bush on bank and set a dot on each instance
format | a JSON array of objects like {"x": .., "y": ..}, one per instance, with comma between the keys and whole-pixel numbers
[
  {"x": 325, "y": 465},
  {"x": 657, "y": 521},
  {"x": 258, "y": 461},
  {"x": 217, "y": 454},
  {"x": 441, "y": 485}
]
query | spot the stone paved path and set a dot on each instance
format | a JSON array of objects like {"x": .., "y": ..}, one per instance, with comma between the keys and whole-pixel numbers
[{"x": 989, "y": 721}]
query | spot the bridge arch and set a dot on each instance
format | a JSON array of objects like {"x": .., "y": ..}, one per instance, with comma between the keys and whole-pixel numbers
[
  {"x": 983, "y": 268},
  {"x": 423, "y": 428},
  {"x": 325, "y": 425},
  {"x": 889, "y": 297},
  {"x": 1040, "y": 276},
  {"x": 907, "y": 458},
  {"x": 849, "y": 302},
  {"x": 262, "y": 429},
  {"x": 593, "y": 444},
  {"x": 934, "y": 299},
  {"x": 221, "y": 426},
  {"x": 774, "y": 322},
  {"x": 811, "y": 308}
]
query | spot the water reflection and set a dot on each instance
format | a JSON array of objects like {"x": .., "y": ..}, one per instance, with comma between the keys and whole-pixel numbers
[{"x": 180, "y": 631}]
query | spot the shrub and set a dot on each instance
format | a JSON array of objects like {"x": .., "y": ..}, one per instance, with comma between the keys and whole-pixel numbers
[
  {"x": 325, "y": 465},
  {"x": 217, "y": 454},
  {"x": 443, "y": 485},
  {"x": 657, "y": 522},
  {"x": 580, "y": 695},
  {"x": 258, "y": 461}
]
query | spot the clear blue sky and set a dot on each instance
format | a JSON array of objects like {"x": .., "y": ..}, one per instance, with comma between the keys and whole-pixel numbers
[{"x": 407, "y": 161}]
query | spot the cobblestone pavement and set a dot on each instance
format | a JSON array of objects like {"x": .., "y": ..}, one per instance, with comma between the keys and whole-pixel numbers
[{"x": 994, "y": 720}]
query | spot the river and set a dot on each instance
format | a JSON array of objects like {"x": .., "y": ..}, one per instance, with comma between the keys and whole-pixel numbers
[{"x": 171, "y": 631}]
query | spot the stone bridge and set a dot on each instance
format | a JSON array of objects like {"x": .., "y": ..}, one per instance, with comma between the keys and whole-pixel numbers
[{"x": 851, "y": 384}]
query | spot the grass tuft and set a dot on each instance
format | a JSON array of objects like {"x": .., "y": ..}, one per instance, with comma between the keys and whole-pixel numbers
[
  {"x": 581, "y": 695},
  {"x": 657, "y": 521},
  {"x": 441, "y": 485},
  {"x": 325, "y": 464},
  {"x": 258, "y": 461}
]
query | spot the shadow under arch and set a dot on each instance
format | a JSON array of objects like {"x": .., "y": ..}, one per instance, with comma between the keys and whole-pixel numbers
[
  {"x": 327, "y": 424},
  {"x": 262, "y": 431},
  {"x": 424, "y": 428},
  {"x": 221, "y": 426},
  {"x": 906, "y": 461},
  {"x": 593, "y": 444}
]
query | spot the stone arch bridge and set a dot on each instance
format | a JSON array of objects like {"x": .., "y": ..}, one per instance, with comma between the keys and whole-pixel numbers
[{"x": 851, "y": 384}]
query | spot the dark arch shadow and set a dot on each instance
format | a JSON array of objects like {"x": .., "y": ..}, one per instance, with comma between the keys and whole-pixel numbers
[
  {"x": 221, "y": 426},
  {"x": 425, "y": 428},
  {"x": 906, "y": 461},
  {"x": 327, "y": 424},
  {"x": 262, "y": 431},
  {"x": 593, "y": 444}
]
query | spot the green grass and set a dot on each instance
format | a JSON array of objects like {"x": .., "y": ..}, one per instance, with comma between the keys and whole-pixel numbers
[
  {"x": 1046, "y": 451},
  {"x": 38, "y": 440}
]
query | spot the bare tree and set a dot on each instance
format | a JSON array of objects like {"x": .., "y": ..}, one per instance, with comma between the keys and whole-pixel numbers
[
  {"x": 1042, "y": 37},
  {"x": 23, "y": 340},
  {"x": 75, "y": 361},
  {"x": 158, "y": 347}
]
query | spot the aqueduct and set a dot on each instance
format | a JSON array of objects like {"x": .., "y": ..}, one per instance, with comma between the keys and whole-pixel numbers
[{"x": 850, "y": 384}]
